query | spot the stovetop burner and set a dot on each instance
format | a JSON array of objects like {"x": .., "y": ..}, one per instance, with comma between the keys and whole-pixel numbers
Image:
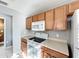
[
  {"x": 36, "y": 39},
  {"x": 32, "y": 38}
]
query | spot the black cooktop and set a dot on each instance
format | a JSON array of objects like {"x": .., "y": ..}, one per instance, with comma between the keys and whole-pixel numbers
[{"x": 36, "y": 39}]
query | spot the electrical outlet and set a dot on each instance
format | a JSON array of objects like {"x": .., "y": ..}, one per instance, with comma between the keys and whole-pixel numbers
[{"x": 57, "y": 36}]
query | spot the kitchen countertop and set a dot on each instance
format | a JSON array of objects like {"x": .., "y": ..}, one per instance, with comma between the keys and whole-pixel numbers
[
  {"x": 59, "y": 46},
  {"x": 27, "y": 37}
]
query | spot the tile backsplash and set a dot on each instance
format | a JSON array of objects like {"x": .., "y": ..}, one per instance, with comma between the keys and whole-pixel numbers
[
  {"x": 65, "y": 35},
  {"x": 53, "y": 34},
  {"x": 62, "y": 35}
]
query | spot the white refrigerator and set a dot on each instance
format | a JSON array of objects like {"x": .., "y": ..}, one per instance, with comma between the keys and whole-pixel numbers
[{"x": 75, "y": 34}]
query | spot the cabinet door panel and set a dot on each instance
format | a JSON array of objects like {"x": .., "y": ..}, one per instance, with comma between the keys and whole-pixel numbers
[
  {"x": 49, "y": 20},
  {"x": 24, "y": 47},
  {"x": 29, "y": 22},
  {"x": 41, "y": 16},
  {"x": 46, "y": 55},
  {"x": 60, "y": 18},
  {"x": 35, "y": 18},
  {"x": 73, "y": 6}
]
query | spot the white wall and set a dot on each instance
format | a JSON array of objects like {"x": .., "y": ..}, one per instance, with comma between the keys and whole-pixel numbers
[
  {"x": 8, "y": 31},
  {"x": 18, "y": 26}
]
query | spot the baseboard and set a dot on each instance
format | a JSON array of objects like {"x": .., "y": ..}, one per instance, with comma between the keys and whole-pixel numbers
[{"x": 9, "y": 47}]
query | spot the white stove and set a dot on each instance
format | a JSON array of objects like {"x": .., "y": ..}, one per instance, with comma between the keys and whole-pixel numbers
[{"x": 34, "y": 45}]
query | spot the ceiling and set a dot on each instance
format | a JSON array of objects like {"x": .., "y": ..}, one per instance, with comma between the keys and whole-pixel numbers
[{"x": 31, "y": 7}]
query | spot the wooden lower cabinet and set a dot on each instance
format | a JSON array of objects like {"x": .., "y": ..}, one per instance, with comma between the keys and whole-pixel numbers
[
  {"x": 24, "y": 46},
  {"x": 48, "y": 53}
]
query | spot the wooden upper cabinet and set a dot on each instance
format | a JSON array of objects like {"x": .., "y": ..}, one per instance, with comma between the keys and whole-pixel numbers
[
  {"x": 61, "y": 18},
  {"x": 73, "y": 6},
  {"x": 29, "y": 22},
  {"x": 50, "y": 20},
  {"x": 35, "y": 18},
  {"x": 41, "y": 16}
]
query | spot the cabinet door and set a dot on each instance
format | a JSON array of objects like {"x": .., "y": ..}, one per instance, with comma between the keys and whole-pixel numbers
[
  {"x": 29, "y": 22},
  {"x": 60, "y": 18},
  {"x": 24, "y": 47},
  {"x": 50, "y": 20},
  {"x": 46, "y": 55},
  {"x": 73, "y": 6},
  {"x": 35, "y": 18},
  {"x": 41, "y": 16}
]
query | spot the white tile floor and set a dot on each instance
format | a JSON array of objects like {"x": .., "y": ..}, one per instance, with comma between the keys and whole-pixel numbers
[
  {"x": 8, "y": 53},
  {"x": 5, "y": 52}
]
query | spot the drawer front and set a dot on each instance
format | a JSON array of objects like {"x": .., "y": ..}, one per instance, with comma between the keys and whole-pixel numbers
[{"x": 24, "y": 40}]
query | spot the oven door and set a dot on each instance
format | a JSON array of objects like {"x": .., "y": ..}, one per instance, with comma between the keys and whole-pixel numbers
[{"x": 33, "y": 52}]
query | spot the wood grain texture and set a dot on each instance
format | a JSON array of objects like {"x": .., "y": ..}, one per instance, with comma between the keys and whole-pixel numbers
[
  {"x": 60, "y": 18},
  {"x": 73, "y": 6},
  {"x": 24, "y": 46},
  {"x": 29, "y": 22},
  {"x": 35, "y": 18},
  {"x": 48, "y": 53},
  {"x": 50, "y": 20},
  {"x": 41, "y": 16}
]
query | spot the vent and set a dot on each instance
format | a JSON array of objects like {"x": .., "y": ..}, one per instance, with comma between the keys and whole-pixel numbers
[{"x": 3, "y": 3}]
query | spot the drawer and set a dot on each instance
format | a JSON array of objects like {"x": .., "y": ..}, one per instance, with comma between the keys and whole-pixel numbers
[{"x": 23, "y": 40}]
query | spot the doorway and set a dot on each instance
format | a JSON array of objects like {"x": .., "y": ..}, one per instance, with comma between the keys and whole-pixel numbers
[
  {"x": 1, "y": 31},
  {"x": 6, "y": 48},
  {"x": 5, "y": 30}
]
